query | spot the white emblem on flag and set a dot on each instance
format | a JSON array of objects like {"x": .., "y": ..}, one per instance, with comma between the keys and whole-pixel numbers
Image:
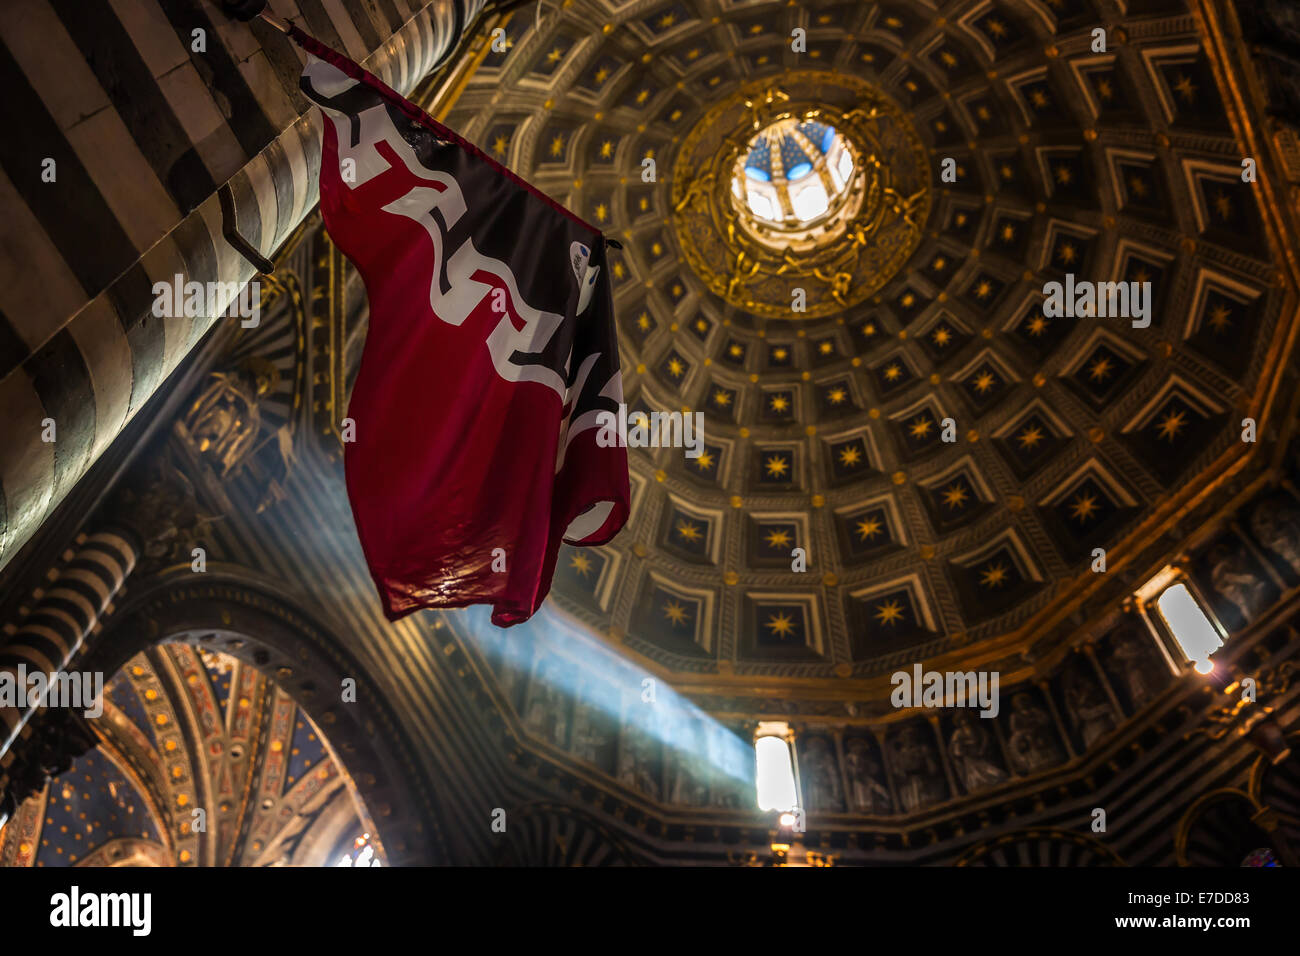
[{"x": 579, "y": 256}]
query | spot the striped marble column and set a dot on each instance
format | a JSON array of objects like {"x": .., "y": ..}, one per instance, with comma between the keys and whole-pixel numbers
[
  {"x": 142, "y": 128},
  {"x": 52, "y": 634}
]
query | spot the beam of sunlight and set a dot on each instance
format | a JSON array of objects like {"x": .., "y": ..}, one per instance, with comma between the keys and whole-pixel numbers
[{"x": 555, "y": 660}]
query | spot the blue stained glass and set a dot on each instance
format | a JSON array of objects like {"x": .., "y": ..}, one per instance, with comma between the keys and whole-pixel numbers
[{"x": 795, "y": 161}]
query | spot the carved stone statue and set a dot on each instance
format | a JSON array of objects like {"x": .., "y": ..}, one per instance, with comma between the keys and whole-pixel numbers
[
  {"x": 791, "y": 264},
  {"x": 1270, "y": 21},
  {"x": 866, "y": 793},
  {"x": 767, "y": 108},
  {"x": 1086, "y": 703},
  {"x": 510, "y": 669},
  {"x": 224, "y": 420},
  {"x": 1276, "y": 525},
  {"x": 697, "y": 192},
  {"x": 917, "y": 765},
  {"x": 591, "y": 738},
  {"x": 1281, "y": 74},
  {"x": 974, "y": 753},
  {"x": 160, "y": 504},
  {"x": 861, "y": 115},
  {"x": 686, "y": 789},
  {"x": 841, "y": 284},
  {"x": 1033, "y": 740},
  {"x": 1231, "y": 574},
  {"x": 905, "y": 206},
  {"x": 636, "y": 762},
  {"x": 1272, "y": 29},
  {"x": 545, "y": 714},
  {"x": 820, "y": 776},
  {"x": 1137, "y": 667},
  {"x": 741, "y": 274},
  {"x": 687, "y": 764},
  {"x": 731, "y": 777},
  {"x": 508, "y": 681}
]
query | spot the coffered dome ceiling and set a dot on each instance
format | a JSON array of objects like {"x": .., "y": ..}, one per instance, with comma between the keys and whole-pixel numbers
[{"x": 924, "y": 302}]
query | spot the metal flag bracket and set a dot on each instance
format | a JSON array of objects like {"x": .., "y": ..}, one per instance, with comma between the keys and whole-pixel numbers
[
  {"x": 230, "y": 229},
  {"x": 244, "y": 10}
]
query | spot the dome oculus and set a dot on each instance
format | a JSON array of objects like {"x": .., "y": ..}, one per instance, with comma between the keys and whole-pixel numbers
[
  {"x": 796, "y": 174},
  {"x": 813, "y": 189}
]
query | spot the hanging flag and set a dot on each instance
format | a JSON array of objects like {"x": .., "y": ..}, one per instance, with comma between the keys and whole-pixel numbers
[{"x": 490, "y": 353}]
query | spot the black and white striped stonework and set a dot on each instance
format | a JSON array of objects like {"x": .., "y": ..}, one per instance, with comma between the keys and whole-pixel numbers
[
  {"x": 143, "y": 131},
  {"x": 67, "y": 611}
]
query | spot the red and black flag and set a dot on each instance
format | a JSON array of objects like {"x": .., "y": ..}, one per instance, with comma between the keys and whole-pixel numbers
[{"x": 491, "y": 352}]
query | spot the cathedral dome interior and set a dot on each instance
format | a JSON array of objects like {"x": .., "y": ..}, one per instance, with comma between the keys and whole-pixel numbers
[{"x": 989, "y": 310}]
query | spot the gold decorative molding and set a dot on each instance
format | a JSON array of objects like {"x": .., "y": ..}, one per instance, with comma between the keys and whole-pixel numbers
[{"x": 865, "y": 241}]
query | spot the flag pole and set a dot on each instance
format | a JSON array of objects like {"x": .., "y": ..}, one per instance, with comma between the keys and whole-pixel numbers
[
  {"x": 281, "y": 25},
  {"x": 245, "y": 10}
]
